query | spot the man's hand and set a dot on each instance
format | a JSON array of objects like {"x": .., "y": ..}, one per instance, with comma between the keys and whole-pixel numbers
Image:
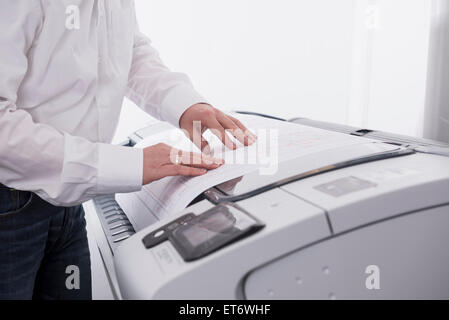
[
  {"x": 160, "y": 161},
  {"x": 201, "y": 117}
]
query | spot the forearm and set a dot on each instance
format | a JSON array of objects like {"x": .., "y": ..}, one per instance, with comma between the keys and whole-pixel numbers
[{"x": 62, "y": 169}]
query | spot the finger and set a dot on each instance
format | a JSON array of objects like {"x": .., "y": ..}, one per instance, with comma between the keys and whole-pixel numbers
[
  {"x": 201, "y": 142},
  {"x": 204, "y": 165},
  {"x": 227, "y": 123},
  {"x": 217, "y": 129},
  {"x": 242, "y": 126},
  {"x": 205, "y": 147},
  {"x": 195, "y": 159},
  {"x": 195, "y": 134},
  {"x": 179, "y": 170},
  {"x": 174, "y": 156},
  {"x": 238, "y": 123}
]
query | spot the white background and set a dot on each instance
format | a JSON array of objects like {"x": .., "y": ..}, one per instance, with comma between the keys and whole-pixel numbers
[{"x": 357, "y": 62}]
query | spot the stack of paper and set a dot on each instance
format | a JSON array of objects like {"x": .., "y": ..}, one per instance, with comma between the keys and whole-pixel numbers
[{"x": 277, "y": 142}]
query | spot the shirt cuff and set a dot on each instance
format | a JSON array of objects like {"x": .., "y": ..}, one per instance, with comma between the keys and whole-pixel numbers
[
  {"x": 177, "y": 102},
  {"x": 120, "y": 169}
]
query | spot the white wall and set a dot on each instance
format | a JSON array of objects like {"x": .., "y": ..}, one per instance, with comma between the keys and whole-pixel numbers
[
  {"x": 436, "y": 123},
  {"x": 398, "y": 63},
  {"x": 322, "y": 59}
]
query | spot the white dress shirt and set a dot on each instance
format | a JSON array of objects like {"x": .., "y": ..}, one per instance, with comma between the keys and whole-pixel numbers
[{"x": 61, "y": 91}]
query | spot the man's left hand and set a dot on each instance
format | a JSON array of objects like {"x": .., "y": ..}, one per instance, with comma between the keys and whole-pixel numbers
[{"x": 200, "y": 117}]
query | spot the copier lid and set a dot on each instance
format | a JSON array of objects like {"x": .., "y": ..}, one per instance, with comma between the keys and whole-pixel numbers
[{"x": 375, "y": 191}]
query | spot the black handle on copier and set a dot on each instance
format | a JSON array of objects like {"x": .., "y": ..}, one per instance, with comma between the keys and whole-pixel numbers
[{"x": 216, "y": 197}]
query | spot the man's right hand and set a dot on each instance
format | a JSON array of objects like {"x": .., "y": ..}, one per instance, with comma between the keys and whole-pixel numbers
[{"x": 161, "y": 160}]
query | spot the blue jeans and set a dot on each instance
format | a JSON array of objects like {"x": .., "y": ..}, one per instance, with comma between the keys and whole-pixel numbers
[{"x": 44, "y": 252}]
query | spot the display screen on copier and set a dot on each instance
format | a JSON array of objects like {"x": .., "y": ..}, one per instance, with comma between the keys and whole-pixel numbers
[
  {"x": 208, "y": 228},
  {"x": 212, "y": 230}
]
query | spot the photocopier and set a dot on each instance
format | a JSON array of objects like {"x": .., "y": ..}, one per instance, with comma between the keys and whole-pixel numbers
[{"x": 375, "y": 227}]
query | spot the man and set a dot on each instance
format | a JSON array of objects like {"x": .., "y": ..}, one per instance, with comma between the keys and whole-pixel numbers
[{"x": 65, "y": 67}]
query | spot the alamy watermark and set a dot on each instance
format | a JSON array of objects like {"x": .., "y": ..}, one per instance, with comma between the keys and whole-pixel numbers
[
  {"x": 263, "y": 153},
  {"x": 72, "y": 281},
  {"x": 372, "y": 282},
  {"x": 73, "y": 20}
]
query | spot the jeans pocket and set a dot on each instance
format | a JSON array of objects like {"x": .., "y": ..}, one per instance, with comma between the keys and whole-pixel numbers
[{"x": 13, "y": 201}]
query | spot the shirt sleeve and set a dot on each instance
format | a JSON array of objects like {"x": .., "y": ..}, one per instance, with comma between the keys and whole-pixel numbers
[
  {"x": 164, "y": 94},
  {"x": 62, "y": 169}
]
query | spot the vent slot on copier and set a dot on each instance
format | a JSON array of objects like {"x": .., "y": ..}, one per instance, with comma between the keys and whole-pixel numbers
[{"x": 114, "y": 221}]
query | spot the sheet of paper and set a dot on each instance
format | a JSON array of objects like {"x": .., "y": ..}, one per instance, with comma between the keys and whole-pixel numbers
[{"x": 277, "y": 142}]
